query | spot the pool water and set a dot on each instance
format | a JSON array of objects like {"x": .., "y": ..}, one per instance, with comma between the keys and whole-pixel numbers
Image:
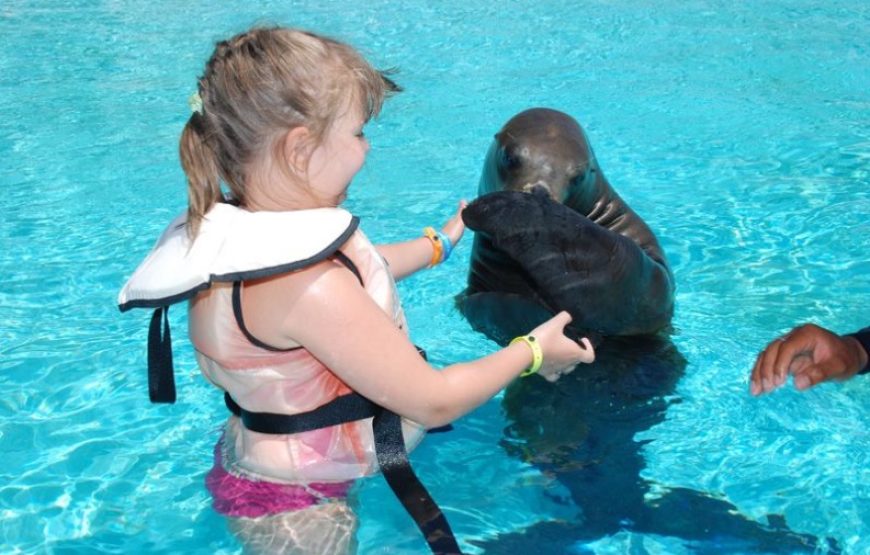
[{"x": 740, "y": 133}]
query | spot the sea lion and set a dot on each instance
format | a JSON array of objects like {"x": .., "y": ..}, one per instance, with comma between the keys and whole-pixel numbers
[{"x": 552, "y": 235}]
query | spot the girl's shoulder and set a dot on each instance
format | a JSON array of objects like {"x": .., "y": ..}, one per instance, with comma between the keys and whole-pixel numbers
[{"x": 279, "y": 306}]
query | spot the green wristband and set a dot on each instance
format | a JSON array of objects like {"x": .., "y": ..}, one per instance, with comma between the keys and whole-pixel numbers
[{"x": 537, "y": 354}]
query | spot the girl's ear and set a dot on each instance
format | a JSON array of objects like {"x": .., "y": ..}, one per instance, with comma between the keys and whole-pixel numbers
[{"x": 296, "y": 148}]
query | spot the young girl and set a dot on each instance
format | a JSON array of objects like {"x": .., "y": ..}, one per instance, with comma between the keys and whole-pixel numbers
[{"x": 298, "y": 308}]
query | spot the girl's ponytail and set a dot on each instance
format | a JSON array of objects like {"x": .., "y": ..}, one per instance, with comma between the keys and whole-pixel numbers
[
  {"x": 256, "y": 87},
  {"x": 199, "y": 162}
]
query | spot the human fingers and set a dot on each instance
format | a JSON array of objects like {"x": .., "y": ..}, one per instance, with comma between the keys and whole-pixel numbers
[
  {"x": 554, "y": 326},
  {"x": 560, "y": 353},
  {"x": 813, "y": 374},
  {"x": 455, "y": 227},
  {"x": 762, "y": 380},
  {"x": 552, "y": 376},
  {"x": 799, "y": 362},
  {"x": 588, "y": 355},
  {"x": 834, "y": 359},
  {"x": 795, "y": 347},
  {"x": 754, "y": 376},
  {"x": 562, "y": 319}
]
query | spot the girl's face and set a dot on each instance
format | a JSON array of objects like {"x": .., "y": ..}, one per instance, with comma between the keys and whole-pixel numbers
[{"x": 336, "y": 161}]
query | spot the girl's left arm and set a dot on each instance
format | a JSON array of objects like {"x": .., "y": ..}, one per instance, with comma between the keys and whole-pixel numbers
[{"x": 411, "y": 256}]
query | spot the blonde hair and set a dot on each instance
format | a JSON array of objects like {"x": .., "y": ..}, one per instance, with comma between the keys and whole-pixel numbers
[{"x": 257, "y": 86}]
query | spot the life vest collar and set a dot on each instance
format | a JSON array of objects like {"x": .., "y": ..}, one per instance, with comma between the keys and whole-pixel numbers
[{"x": 233, "y": 244}]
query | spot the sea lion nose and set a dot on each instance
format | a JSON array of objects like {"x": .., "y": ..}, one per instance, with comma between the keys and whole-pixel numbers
[{"x": 537, "y": 188}]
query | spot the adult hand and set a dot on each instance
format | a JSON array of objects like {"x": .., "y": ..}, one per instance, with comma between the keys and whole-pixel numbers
[
  {"x": 811, "y": 354},
  {"x": 561, "y": 354}
]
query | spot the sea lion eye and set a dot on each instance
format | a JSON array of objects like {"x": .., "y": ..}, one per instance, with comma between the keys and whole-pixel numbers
[
  {"x": 582, "y": 173},
  {"x": 510, "y": 158}
]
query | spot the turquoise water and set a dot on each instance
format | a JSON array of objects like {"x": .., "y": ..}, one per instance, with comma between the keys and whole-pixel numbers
[{"x": 740, "y": 133}]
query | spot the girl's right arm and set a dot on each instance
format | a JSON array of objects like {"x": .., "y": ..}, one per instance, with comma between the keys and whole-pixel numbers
[
  {"x": 325, "y": 309},
  {"x": 411, "y": 256}
]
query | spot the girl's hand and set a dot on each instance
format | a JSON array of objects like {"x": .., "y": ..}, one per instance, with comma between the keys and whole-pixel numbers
[
  {"x": 455, "y": 227},
  {"x": 561, "y": 354}
]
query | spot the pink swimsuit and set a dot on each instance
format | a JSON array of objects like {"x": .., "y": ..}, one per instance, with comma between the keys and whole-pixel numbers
[{"x": 237, "y": 496}]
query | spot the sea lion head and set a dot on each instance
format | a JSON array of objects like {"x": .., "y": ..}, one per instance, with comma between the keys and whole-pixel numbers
[{"x": 542, "y": 149}]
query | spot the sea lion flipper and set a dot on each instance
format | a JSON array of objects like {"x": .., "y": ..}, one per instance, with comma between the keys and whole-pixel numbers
[
  {"x": 502, "y": 316},
  {"x": 604, "y": 279}
]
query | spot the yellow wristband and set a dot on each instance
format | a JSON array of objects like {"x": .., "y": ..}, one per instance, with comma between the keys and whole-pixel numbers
[
  {"x": 537, "y": 354},
  {"x": 437, "y": 247}
]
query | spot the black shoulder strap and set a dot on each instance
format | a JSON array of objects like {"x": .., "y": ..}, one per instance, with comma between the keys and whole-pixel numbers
[
  {"x": 344, "y": 259},
  {"x": 240, "y": 319}
]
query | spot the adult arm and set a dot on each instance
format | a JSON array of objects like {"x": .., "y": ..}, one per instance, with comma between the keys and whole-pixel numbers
[
  {"x": 863, "y": 337},
  {"x": 812, "y": 354}
]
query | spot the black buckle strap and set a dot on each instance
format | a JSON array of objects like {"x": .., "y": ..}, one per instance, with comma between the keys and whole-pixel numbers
[
  {"x": 161, "y": 378},
  {"x": 393, "y": 460},
  {"x": 389, "y": 448}
]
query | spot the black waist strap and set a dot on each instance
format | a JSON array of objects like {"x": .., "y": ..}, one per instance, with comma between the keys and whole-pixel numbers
[
  {"x": 346, "y": 408},
  {"x": 389, "y": 447}
]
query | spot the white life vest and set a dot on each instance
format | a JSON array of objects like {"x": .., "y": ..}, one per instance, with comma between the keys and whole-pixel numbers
[{"x": 234, "y": 245}]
